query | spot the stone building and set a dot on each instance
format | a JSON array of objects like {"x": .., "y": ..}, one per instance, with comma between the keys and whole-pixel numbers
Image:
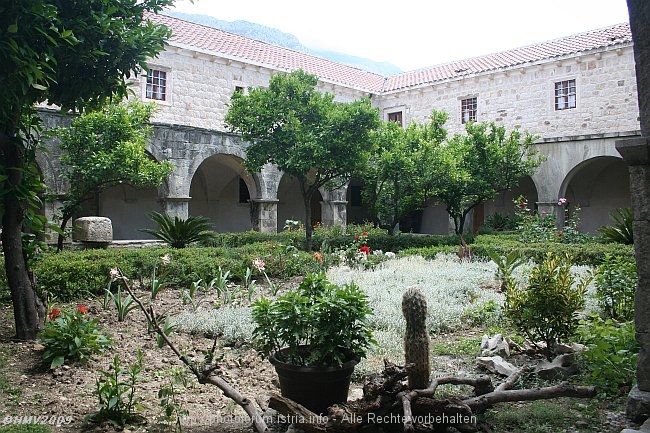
[{"x": 577, "y": 94}]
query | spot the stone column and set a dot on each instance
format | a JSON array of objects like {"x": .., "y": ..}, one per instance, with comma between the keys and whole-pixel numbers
[
  {"x": 334, "y": 212},
  {"x": 635, "y": 153},
  {"x": 264, "y": 214},
  {"x": 176, "y": 206},
  {"x": 550, "y": 208}
]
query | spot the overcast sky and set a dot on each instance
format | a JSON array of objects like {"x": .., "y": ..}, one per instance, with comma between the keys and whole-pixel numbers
[{"x": 413, "y": 34}]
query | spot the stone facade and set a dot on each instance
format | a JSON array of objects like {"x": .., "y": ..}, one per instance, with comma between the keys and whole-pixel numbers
[{"x": 209, "y": 179}]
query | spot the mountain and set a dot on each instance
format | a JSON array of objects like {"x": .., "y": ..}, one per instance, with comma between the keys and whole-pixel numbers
[{"x": 286, "y": 40}]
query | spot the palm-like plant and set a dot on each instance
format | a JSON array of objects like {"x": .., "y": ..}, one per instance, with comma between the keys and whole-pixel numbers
[
  {"x": 621, "y": 232},
  {"x": 179, "y": 232}
]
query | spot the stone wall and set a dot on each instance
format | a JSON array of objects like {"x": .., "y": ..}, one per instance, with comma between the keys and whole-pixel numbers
[
  {"x": 524, "y": 97},
  {"x": 199, "y": 87}
]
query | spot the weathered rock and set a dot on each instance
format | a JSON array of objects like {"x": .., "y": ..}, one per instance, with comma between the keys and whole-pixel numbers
[
  {"x": 93, "y": 229},
  {"x": 494, "y": 346},
  {"x": 561, "y": 367},
  {"x": 496, "y": 364},
  {"x": 638, "y": 405},
  {"x": 564, "y": 348}
]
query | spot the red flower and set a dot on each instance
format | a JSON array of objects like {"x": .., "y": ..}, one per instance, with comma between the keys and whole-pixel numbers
[
  {"x": 54, "y": 313},
  {"x": 82, "y": 309},
  {"x": 365, "y": 249},
  {"x": 365, "y": 233},
  {"x": 357, "y": 237}
]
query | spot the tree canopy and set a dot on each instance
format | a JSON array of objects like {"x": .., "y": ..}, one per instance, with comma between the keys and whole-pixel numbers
[
  {"x": 72, "y": 54},
  {"x": 474, "y": 167},
  {"x": 105, "y": 148},
  {"x": 394, "y": 185},
  {"x": 304, "y": 132}
]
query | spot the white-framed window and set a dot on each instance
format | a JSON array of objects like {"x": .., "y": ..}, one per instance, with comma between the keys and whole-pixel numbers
[
  {"x": 565, "y": 95},
  {"x": 468, "y": 109},
  {"x": 157, "y": 85}
]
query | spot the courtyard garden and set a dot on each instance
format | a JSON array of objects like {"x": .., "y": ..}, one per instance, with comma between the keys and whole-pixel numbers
[{"x": 99, "y": 365}]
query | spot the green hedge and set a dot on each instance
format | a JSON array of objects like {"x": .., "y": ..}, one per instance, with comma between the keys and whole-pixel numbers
[
  {"x": 68, "y": 275},
  {"x": 591, "y": 253}
]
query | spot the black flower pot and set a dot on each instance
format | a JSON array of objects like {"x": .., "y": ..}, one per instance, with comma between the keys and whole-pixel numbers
[{"x": 316, "y": 388}]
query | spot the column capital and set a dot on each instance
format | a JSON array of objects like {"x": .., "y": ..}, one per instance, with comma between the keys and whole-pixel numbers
[{"x": 635, "y": 151}]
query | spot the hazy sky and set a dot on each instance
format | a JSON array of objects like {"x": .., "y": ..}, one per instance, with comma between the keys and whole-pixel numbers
[{"x": 413, "y": 34}]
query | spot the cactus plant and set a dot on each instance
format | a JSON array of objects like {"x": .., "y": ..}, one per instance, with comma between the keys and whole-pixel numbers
[{"x": 416, "y": 338}]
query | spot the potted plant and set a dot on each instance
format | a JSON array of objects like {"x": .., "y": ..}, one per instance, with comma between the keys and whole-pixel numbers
[{"x": 314, "y": 336}]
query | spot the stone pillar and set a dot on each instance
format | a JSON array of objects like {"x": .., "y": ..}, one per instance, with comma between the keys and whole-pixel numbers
[
  {"x": 264, "y": 214},
  {"x": 551, "y": 208},
  {"x": 635, "y": 153},
  {"x": 176, "y": 206},
  {"x": 334, "y": 212}
]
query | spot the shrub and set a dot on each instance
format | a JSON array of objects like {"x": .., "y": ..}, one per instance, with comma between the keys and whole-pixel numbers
[
  {"x": 547, "y": 309},
  {"x": 71, "y": 336},
  {"x": 615, "y": 287},
  {"x": 72, "y": 274},
  {"x": 178, "y": 232},
  {"x": 612, "y": 355},
  {"x": 318, "y": 324},
  {"x": 499, "y": 222},
  {"x": 622, "y": 231},
  {"x": 115, "y": 389}
]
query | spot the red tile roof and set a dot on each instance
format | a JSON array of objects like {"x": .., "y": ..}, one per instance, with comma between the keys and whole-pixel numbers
[
  {"x": 238, "y": 47},
  {"x": 230, "y": 45},
  {"x": 583, "y": 42}
]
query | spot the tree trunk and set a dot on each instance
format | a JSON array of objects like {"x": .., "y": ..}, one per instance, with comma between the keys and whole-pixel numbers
[
  {"x": 29, "y": 310},
  {"x": 61, "y": 238},
  {"x": 306, "y": 195}
]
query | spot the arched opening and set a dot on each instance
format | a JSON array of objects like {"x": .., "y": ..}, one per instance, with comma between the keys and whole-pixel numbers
[
  {"x": 503, "y": 204},
  {"x": 290, "y": 203},
  {"x": 221, "y": 190},
  {"x": 128, "y": 209},
  {"x": 597, "y": 187},
  {"x": 355, "y": 210}
]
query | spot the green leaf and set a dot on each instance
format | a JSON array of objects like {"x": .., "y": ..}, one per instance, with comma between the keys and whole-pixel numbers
[{"x": 59, "y": 360}]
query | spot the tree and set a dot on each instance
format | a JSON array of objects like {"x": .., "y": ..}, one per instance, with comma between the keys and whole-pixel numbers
[
  {"x": 393, "y": 181},
  {"x": 71, "y": 54},
  {"x": 304, "y": 132},
  {"x": 474, "y": 167},
  {"x": 106, "y": 148}
]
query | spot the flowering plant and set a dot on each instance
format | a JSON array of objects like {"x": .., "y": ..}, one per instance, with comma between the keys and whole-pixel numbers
[
  {"x": 542, "y": 227},
  {"x": 71, "y": 336}
]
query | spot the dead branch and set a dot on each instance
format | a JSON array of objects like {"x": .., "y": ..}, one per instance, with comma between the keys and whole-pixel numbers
[
  {"x": 511, "y": 380},
  {"x": 564, "y": 389},
  {"x": 206, "y": 375},
  {"x": 299, "y": 415},
  {"x": 386, "y": 397}
]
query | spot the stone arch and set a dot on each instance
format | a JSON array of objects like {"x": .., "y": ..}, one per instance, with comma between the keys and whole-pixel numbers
[
  {"x": 503, "y": 202},
  {"x": 290, "y": 203},
  {"x": 357, "y": 213},
  {"x": 128, "y": 208},
  {"x": 597, "y": 186},
  {"x": 221, "y": 190}
]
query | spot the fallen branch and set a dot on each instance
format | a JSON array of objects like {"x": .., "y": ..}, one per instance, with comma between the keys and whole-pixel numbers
[{"x": 564, "y": 389}]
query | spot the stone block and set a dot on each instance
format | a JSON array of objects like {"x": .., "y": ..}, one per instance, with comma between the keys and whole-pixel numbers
[
  {"x": 638, "y": 405},
  {"x": 93, "y": 229}
]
